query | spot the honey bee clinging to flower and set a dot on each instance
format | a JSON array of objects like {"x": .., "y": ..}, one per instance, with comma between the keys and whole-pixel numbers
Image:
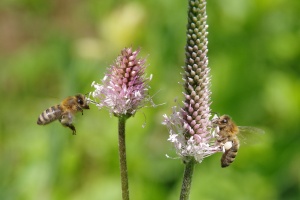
[
  {"x": 65, "y": 111},
  {"x": 227, "y": 137}
]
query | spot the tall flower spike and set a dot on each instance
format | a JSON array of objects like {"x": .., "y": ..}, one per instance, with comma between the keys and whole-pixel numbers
[
  {"x": 190, "y": 127},
  {"x": 123, "y": 91},
  {"x": 124, "y": 88}
]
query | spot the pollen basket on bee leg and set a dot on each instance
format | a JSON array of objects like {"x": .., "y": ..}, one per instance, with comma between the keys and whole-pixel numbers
[{"x": 228, "y": 145}]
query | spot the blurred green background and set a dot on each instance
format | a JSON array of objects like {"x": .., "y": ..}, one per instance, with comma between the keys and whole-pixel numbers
[{"x": 55, "y": 48}]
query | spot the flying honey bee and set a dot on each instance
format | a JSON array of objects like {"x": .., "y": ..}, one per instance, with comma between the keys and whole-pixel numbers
[
  {"x": 228, "y": 138},
  {"x": 65, "y": 111}
]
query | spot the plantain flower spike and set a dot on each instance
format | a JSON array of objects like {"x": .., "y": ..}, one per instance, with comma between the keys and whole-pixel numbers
[
  {"x": 124, "y": 88},
  {"x": 190, "y": 127}
]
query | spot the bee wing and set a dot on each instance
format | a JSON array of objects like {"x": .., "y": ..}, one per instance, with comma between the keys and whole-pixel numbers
[
  {"x": 251, "y": 130},
  {"x": 250, "y": 135}
]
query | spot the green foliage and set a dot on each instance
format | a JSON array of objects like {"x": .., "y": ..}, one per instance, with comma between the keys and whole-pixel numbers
[{"x": 54, "y": 49}]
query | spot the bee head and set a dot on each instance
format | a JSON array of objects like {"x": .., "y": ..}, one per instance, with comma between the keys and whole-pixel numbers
[
  {"x": 82, "y": 101},
  {"x": 222, "y": 121}
]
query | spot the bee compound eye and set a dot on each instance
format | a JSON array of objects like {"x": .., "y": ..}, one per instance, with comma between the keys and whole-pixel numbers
[
  {"x": 80, "y": 101},
  {"x": 224, "y": 121}
]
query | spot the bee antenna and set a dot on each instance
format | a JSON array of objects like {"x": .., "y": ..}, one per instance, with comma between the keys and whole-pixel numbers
[
  {"x": 218, "y": 114},
  {"x": 89, "y": 99},
  {"x": 93, "y": 101}
]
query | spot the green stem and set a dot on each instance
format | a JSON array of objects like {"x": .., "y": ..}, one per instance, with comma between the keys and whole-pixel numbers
[
  {"x": 122, "y": 157},
  {"x": 187, "y": 179}
]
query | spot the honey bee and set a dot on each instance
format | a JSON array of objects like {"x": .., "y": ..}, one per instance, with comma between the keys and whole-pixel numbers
[
  {"x": 65, "y": 111},
  {"x": 227, "y": 137}
]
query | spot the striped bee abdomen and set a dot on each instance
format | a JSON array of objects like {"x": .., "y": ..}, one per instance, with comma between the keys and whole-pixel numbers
[
  {"x": 49, "y": 115},
  {"x": 230, "y": 154}
]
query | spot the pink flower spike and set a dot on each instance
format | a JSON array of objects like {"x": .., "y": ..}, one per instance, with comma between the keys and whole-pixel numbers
[
  {"x": 124, "y": 88},
  {"x": 190, "y": 127}
]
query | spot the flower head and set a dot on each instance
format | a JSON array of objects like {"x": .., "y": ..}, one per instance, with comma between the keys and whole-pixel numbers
[
  {"x": 186, "y": 145},
  {"x": 191, "y": 130},
  {"x": 124, "y": 88}
]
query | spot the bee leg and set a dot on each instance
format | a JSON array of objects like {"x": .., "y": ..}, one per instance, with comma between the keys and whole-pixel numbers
[
  {"x": 80, "y": 109},
  {"x": 221, "y": 139},
  {"x": 72, "y": 127},
  {"x": 66, "y": 122}
]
